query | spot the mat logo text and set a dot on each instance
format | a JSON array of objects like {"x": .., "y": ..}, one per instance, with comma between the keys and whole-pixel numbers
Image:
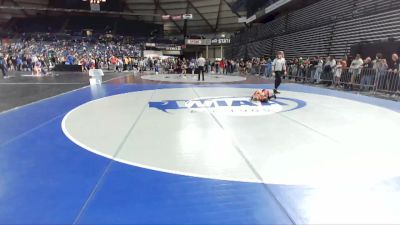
[{"x": 239, "y": 106}]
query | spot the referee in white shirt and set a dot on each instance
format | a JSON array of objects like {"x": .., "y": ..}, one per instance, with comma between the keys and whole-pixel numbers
[
  {"x": 201, "y": 63},
  {"x": 278, "y": 69}
]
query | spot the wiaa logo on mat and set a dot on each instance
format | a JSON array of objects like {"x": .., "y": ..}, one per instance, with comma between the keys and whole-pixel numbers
[{"x": 234, "y": 106}]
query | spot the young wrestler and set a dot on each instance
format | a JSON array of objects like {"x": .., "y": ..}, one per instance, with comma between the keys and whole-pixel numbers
[{"x": 263, "y": 95}]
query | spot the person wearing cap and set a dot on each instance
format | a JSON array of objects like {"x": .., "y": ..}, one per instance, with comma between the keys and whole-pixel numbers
[{"x": 278, "y": 69}]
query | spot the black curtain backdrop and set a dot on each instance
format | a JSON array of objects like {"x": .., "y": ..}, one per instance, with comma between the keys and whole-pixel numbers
[{"x": 370, "y": 49}]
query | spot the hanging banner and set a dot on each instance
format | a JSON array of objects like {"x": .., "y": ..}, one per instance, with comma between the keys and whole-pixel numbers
[
  {"x": 176, "y": 18},
  {"x": 215, "y": 41},
  {"x": 172, "y": 52},
  {"x": 95, "y": 7},
  {"x": 251, "y": 19},
  {"x": 242, "y": 19},
  {"x": 187, "y": 16},
  {"x": 276, "y": 5},
  {"x": 160, "y": 46},
  {"x": 198, "y": 41},
  {"x": 165, "y": 17},
  {"x": 220, "y": 41}
]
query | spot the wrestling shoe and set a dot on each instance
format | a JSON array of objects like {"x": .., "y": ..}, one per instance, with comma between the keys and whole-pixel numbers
[{"x": 276, "y": 92}]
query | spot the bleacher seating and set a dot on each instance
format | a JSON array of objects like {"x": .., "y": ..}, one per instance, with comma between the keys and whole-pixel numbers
[
  {"x": 37, "y": 24},
  {"x": 97, "y": 24},
  {"x": 374, "y": 27},
  {"x": 76, "y": 24},
  {"x": 328, "y": 27},
  {"x": 260, "y": 48},
  {"x": 320, "y": 13},
  {"x": 307, "y": 43}
]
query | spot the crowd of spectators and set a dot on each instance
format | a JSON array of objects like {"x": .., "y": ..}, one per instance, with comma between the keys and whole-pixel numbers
[
  {"x": 349, "y": 72},
  {"x": 38, "y": 56},
  {"x": 346, "y": 72}
]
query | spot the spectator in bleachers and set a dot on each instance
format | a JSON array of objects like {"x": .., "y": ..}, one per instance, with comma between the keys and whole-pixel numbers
[{"x": 355, "y": 70}]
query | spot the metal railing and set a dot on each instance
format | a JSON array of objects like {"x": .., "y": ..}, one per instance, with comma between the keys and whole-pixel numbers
[{"x": 364, "y": 79}]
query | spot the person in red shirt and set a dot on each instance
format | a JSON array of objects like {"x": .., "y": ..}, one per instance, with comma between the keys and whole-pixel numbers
[
  {"x": 222, "y": 66},
  {"x": 113, "y": 63}
]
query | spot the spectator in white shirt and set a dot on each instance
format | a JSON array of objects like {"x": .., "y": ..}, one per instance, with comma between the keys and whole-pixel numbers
[
  {"x": 355, "y": 69},
  {"x": 318, "y": 69}
]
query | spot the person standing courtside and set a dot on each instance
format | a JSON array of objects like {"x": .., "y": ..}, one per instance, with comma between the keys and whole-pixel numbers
[
  {"x": 278, "y": 69},
  {"x": 3, "y": 66},
  {"x": 201, "y": 63}
]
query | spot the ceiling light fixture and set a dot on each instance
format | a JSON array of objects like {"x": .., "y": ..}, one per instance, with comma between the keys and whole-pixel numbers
[{"x": 95, "y": 1}]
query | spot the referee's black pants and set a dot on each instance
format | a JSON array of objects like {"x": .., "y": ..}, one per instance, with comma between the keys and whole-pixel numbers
[
  {"x": 278, "y": 79},
  {"x": 201, "y": 71}
]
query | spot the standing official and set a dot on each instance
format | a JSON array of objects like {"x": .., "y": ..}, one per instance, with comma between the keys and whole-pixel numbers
[
  {"x": 278, "y": 69},
  {"x": 201, "y": 62}
]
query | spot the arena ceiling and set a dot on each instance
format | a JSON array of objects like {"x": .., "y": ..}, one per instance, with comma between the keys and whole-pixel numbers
[{"x": 209, "y": 16}]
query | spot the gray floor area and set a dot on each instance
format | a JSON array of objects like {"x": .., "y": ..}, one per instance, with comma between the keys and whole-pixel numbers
[
  {"x": 193, "y": 78},
  {"x": 22, "y": 88}
]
